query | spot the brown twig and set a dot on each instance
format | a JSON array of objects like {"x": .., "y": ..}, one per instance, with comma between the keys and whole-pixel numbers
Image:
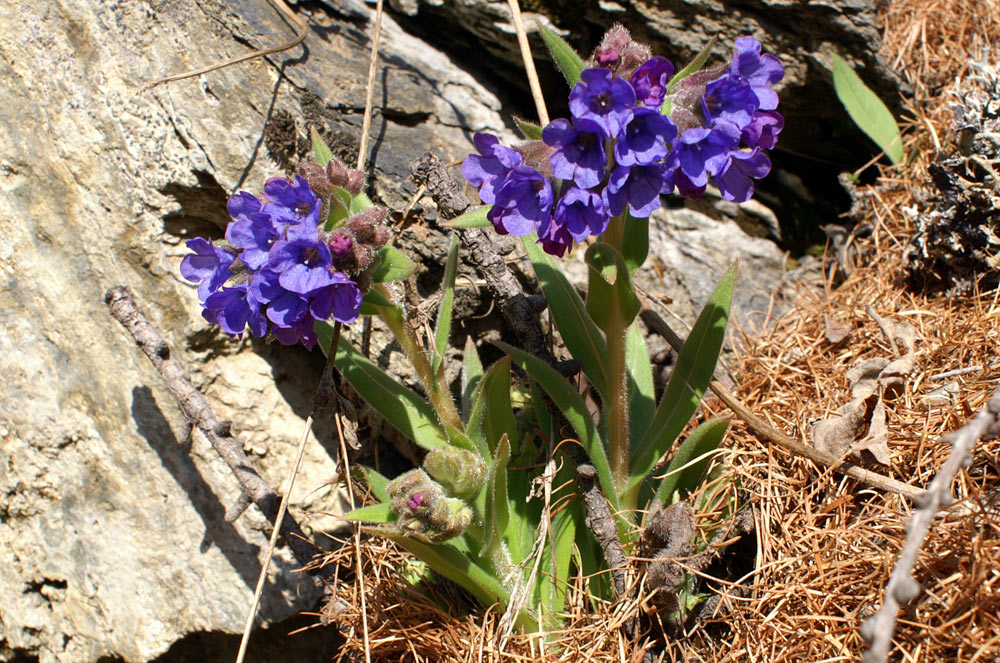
[
  {"x": 123, "y": 308},
  {"x": 759, "y": 426},
  {"x": 602, "y": 523},
  {"x": 299, "y": 38},
  {"x": 877, "y": 630},
  {"x": 519, "y": 309}
]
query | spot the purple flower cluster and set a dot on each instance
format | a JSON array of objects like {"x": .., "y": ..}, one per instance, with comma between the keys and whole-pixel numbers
[
  {"x": 628, "y": 141},
  {"x": 278, "y": 271}
]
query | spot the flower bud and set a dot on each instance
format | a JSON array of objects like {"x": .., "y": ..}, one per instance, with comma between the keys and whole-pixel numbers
[
  {"x": 363, "y": 224},
  {"x": 461, "y": 472},
  {"x": 607, "y": 58},
  {"x": 422, "y": 507},
  {"x": 352, "y": 180}
]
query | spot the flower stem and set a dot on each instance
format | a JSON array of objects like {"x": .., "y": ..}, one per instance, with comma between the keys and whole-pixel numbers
[
  {"x": 617, "y": 405},
  {"x": 440, "y": 398}
]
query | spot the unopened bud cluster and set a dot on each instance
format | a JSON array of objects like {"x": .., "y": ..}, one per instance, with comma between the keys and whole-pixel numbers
[{"x": 433, "y": 501}]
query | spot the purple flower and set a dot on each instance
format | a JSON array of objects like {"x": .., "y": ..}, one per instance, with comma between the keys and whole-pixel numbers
[
  {"x": 209, "y": 266},
  {"x": 523, "y": 201},
  {"x": 761, "y": 71},
  {"x": 242, "y": 203},
  {"x": 302, "y": 331},
  {"x": 580, "y": 155},
  {"x": 646, "y": 139},
  {"x": 554, "y": 238},
  {"x": 255, "y": 234},
  {"x": 729, "y": 98},
  {"x": 233, "y": 310},
  {"x": 763, "y": 130},
  {"x": 302, "y": 261},
  {"x": 284, "y": 307},
  {"x": 650, "y": 81},
  {"x": 487, "y": 170},
  {"x": 639, "y": 187},
  {"x": 603, "y": 98},
  {"x": 582, "y": 213},
  {"x": 703, "y": 152},
  {"x": 736, "y": 179},
  {"x": 291, "y": 203},
  {"x": 341, "y": 300}
]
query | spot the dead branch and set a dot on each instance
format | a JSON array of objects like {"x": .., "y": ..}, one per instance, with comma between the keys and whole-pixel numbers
[
  {"x": 877, "y": 630},
  {"x": 124, "y": 309}
]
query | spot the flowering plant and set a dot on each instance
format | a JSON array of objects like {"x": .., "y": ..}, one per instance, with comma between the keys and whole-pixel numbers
[{"x": 494, "y": 505}]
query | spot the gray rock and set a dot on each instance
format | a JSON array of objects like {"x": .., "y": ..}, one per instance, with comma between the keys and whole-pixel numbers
[{"x": 112, "y": 538}]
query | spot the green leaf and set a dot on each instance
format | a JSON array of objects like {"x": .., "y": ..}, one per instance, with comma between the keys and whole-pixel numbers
[
  {"x": 688, "y": 382},
  {"x": 410, "y": 414},
  {"x": 373, "y": 301},
  {"x": 360, "y": 202},
  {"x": 580, "y": 333},
  {"x": 642, "y": 404},
  {"x": 378, "y": 484},
  {"x": 497, "y": 509},
  {"x": 529, "y": 130},
  {"x": 473, "y": 218},
  {"x": 393, "y": 265},
  {"x": 443, "y": 331},
  {"x": 867, "y": 110},
  {"x": 559, "y": 551},
  {"x": 376, "y": 513},
  {"x": 454, "y": 564},
  {"x": 699, "y": 445},
  {"x": 472, "y": 373},
  {"x": 492, "y": 410},
  {"x": 340, "y": 207},
  {"x": 572, "y": 406},
  {"x": 635, "y": 244},
  {"x": 321, "y": 152},
  {"x": 609, "y": 288},
  {"x": 567, "y": 61},
  {"x": 696, "y": 64}
]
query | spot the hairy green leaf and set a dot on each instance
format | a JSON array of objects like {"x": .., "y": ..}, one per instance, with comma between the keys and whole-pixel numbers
[
  {"x": 443, "y": 331},
  {"x": 579, "y": 331},
  {"x": 321, "y": 151},
  {"x": 867, "y": 110},
  {"x": 695, "y": 65},
  {"x": 567, "y": 61},
  {"x": 693, "y": 456},
  {"x": 472, "y": 373},
  {"x": 641, "y": 392},
  {"x": 635, "y": 244},
  {"x": 609, "y": 288},
  {"x": 572, "y": 406},
  {"x": 688, "y": 382},
  {"x": 375, "y": 513},
  {"x": 529, "y": 130},
  {"x": 393, "y": 265},
  {"x": 473, "y": 218}
]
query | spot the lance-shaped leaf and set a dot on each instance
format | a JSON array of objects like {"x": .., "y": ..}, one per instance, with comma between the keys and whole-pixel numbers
[
  {"x": 611, "y": 301},
  {"x": 559, "y": 551},
  {"x": 474, "y": 218},
  {"x": 635, "y": 242},
  {"x": 373, "y": 301},
  {"x": 340, "y": 207},
  {"x": 452, "y": 563},
  {"x": 374, "y": 513},
  {"x": 321, "y": 151},
  {"x": 497, "y": 510},
  {"x": 529, "y": 130},
  {"x": 693, "y": 66},
  {"x": 567, "y": 61},
  {"x": 641, "y": 393},
  {"x": 580, "y": 333},
  {"x": 378, "y": 484},
  {"x": 443, "y": 331},
  {"x": 472, "y": 373},
  {"x": 492, "y": 412},
  {"x": 688, "y": 465},
  {"x": 867, "y": 110},
  {"x": 393, "y": 265},
  {"x": 688, "y": 382},
  {"x": 572, "y": 406},
  {"x": 402, "y": 407}
]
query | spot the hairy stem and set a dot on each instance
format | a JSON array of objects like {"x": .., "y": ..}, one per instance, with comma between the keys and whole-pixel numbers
[
  {"x": 617, "y": 405},
  {"x": 440, "y": 398}
]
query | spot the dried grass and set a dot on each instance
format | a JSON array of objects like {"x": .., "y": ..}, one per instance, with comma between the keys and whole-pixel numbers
[{"x": 825, "y": 545}]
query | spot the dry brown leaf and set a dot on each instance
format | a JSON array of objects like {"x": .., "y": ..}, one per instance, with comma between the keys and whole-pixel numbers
[{"x": 835, "y": 331}]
